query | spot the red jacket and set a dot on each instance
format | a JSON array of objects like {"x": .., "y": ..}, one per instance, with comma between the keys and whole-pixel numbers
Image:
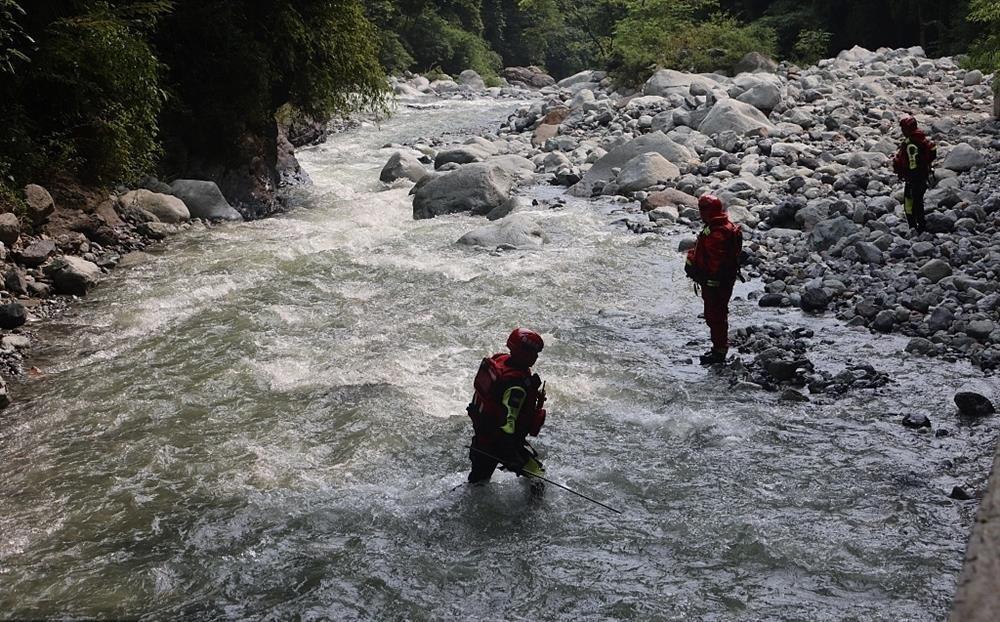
[
  {"x": 914, "y": 157},
  {"x": 715, "y": 259}
]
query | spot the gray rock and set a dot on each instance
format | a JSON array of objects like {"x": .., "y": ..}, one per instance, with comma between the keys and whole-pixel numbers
[
  {"x": 517, "y": 230},
  {"x": 666, "y": 82},
  {"x": 919, "y": 345},
  {"x": 15, "y": 342},
  {"x": 755, "y": 62},
  {"x": 471, "y": 79},
  {"x": 656, "y": 142},
  {"x": 37, "y": 253},
  {"x": 10, "y": 229},
  {"x": 586, "y": 76},
  {"x": 165, "y": 207},
  {"x": 4, "y": 395},
  {"x": 12, "y": 315},
  {"x": 884, "y": 321},
  {"x": 402, "y": 166},
  {"x": 828, "y": 232},
  {"x": 973, "y": 404},
  {"x": 963, "y": 157},
  {"x": 815, "y": 300},
  {"x": 460, "y": 154},
  {"x": 730, "y": 115},
  {"x": 868, "y": 253},
  {"x": 916, "y": 421},
  {"x": 941, "y": 318},
  {"x": 73, "y": 276},
  {"x": 39, "y": 202},
  {"x": 763, "y": 95},
  {"x": 972, "y": 78},
  {"x": 935, "y": 270},
  {"x": 14, "y": 282},
  {"x": 980, "y": 329},
  {"x": 645, "y": 170},
  {"x": 204, "y": 199},
  {"x": 507, "y": 208},
  {"x": 476, "y": 188}
]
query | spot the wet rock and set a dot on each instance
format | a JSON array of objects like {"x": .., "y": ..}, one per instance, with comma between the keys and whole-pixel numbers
[
  {"x": 916, "y": 421},
  {"x": 959, "y": 494},
  {"x": 515, "y": 231},
  {"x": 39, "y": 203},
  {"x": 165, "y": 207},
  {"x": 471, "y": 79},
  {"x": 686, "y": 244},
  {"x": 919, "y": 345},
  {"x": 771, "y": 300},
  {"x": 10, "y": 229},
  {"x": 884, "y": 321},
  {"x": 4, "y": 394},
  {"x": 973, "y": 404},
  {"x": 791, "y": 395},
  {"x": 12, "y": 315},
  {"x": 73, "y": 275},
  {"x": 476, "y": 188},
  {"x": 814, "y": 300},
  {"x": 204, "y": 199},
  {"x": 402, "y": 166},
  {"x": 783, "y": 369},
  {"x": 36, "y": 254}
]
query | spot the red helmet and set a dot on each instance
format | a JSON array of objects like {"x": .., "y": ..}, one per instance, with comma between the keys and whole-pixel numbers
[
  {"x": 524, "y": 341},
  {"x": 710, "y": 203},
  {"x": 908, "y": 125}
]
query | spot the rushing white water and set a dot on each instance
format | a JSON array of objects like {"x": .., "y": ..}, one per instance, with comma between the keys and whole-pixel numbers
[{"x": 267, "y": 421}]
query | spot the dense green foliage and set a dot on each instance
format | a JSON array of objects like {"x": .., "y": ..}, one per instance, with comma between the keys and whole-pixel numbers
[
  {"x": 95, "y": 89},
  {"x": 985, "y": 51},
  {"x": 690, "y": 35}
]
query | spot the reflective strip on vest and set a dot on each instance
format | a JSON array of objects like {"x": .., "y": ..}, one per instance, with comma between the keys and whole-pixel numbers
[
  {"x": 513, "y": 399},
  {"x": 913, "y": 152}
]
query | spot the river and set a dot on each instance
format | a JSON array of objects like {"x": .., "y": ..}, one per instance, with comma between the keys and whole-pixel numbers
[{"x": 266, "y": 421}]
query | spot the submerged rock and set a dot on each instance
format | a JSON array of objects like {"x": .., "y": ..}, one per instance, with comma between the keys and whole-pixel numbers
[
  {"x": 973, "y": 404},
  {"x": 516, "y": 231}
]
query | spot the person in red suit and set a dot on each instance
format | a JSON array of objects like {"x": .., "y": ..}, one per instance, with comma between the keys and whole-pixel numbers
[
  {"x": 506, "y": 407},
  {"x": 714, "y": 264},
  {"x": 913, "y": 165}
]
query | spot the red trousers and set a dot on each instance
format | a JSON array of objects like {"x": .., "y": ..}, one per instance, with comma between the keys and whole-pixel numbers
[{"x": 717, "y": 313}]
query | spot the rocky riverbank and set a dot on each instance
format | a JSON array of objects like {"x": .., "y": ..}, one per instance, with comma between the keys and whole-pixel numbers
[{"x": 801, "y": 157}]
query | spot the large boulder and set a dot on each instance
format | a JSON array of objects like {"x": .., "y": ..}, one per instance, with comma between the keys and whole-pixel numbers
[
  {"x": 935, "y": 270},
  {"x": 666, "y": 82},
  {"x": 165, "y": 207},
  {"x": 528, "y": 76},
  {"x": 204, "y": 199},
  {"x": 973, "y": 404},
  {"x": 735, "y": 116},
  {"x": 826, "y": 233},
  {"x": 10, "y": 229},
  {"x": 471, "y": 79},
  {"x": 73, "y": 275},
  {"x": 517, "y": 230},
  {"x": 587, "y": 76},
  {"x": 963, "y": 157},
  {"x": 460, "y": 154},
  {"x": 645, "y": 170},
  {"x": 761, "y": 94},
  {"x": 476, "y": 188},
  {"x": 39, "y": 202},
  {"x": 671, "y": 196},
  {"x": 402, "y": 166},
  {"x": 656, "y": 142},
  {"x": 755, "y": 62},
  {"x": 36, "y": 253}
]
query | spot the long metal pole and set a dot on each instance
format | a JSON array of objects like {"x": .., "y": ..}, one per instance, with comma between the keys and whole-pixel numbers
[{"x": 545, "y": 479}]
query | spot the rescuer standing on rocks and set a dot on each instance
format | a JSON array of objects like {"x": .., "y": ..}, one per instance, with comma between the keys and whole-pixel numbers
[
  {"x": 714, "y": 264},
  {"x": 913, "y": 165}
]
